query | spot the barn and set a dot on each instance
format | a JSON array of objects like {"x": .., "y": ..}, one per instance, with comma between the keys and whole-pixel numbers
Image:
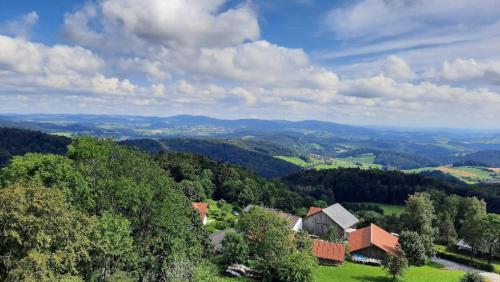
[
  {"x": 372, "y": 242},
  {"x": 318, "y": 221}
]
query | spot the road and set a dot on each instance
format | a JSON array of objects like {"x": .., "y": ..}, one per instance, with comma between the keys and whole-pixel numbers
[{"x": 492, "y": 277}]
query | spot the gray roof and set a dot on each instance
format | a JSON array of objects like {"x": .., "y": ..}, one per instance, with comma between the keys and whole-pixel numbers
[
  {"x": 217, "y": 237},
  {"x": 340, "y": 215}
]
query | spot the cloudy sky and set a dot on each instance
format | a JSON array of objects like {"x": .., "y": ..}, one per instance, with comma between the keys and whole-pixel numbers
[{"x": 423, "y": 63}]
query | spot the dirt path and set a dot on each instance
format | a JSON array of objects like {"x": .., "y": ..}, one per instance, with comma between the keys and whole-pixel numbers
[{"x": 492, "y": 277}]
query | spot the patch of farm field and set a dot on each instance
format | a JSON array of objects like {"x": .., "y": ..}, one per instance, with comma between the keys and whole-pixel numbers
[
  {"x": 468, "y": 174},
  {"x": 351, "y": 272},
  {"x": 389, "y": 209},
  {"x": 363, "y": 162},
  {"x": 294, "y": 160}
]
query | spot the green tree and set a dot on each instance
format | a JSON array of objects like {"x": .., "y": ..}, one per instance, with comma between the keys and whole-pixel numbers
[
  {"x": 447, "y": 233},
  {"x": 52, "y": 171},
  {"x": 470, "y": 231},
  {"x": 113, "y": 250},
  {"x": 234, "y": 248},
  {"x": 395, "y": 265},
  {"x": 43, "y": 238},
  {"x": 490, "y": 233},
  {"x": 419, "y": 215},
  {"x": 334, "y": 234},
  {"x": 412, "y": 246},
  {"x": 302, "y": 241}
]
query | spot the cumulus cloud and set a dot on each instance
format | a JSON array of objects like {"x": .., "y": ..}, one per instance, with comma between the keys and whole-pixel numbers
[
  {"x": 21, "y": 26},
  {"x": 467, "y": 71}
]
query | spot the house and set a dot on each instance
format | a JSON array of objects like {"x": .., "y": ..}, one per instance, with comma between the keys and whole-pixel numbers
[
  {"x": 372, "y": 242},
  {"x": 202, "y": 209},
  {"x": 217, "y": 237},
  {"x": 318, "y": 221},
  {"x": 328, "y": 253},
  {"x": 295, "y": 221}
]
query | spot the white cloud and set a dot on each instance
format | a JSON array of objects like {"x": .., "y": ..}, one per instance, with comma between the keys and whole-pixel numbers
[
  {"x": 174, "y": 24},
  {"x": 467, "y": 71},
  {"x": 21, "y": 26},
  {"x": 381, "y": 18}
]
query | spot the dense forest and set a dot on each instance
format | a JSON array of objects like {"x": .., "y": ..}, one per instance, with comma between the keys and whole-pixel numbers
[
  {"x": 262, "y": 163},
  {"x": 486, "y": 158},
  {"x": 393, "y": 187},
  {"x": 19, "y": 142}
]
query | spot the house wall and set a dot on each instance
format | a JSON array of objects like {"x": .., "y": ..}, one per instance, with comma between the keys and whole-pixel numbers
[
  {"x": 318, "y": 224},
  {"x": 298, "y": 226},
  {"x": 328, "y": 262},
  {"x": 371, "y": 252}
]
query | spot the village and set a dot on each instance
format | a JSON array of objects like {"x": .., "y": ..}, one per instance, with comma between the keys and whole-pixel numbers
[{"x": 334, "y": 239}]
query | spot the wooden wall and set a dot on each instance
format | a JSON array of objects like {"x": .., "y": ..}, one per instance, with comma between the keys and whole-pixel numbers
[
  {"x": 318, "y": 224},
  {"x": 371, "y": 252}
]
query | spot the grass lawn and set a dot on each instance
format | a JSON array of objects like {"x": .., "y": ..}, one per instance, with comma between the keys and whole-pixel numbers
[
  {"x": 294, "y": 160},
  {"x": 358, "y": 272},
  {"x": 441, "y": 248},
  {"x": 389, "y": 209}
]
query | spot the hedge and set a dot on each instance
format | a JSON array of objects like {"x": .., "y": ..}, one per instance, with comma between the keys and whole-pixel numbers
[{"x": 465, "y": 261}]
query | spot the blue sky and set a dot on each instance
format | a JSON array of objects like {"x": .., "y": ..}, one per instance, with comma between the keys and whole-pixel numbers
[{"x": 425, "y": 63}]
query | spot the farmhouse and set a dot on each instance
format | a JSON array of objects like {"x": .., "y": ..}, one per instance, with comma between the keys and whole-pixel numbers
[
  {"x": 372, "y": 242},
  {"x": 318, "y": 221},
  {"x": 328, "y": 253},
  {"x": 202, "y": 209}
]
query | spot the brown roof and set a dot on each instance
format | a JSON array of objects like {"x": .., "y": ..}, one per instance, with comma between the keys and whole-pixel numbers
[
  {"x": 202, "y": 209},
  {"x": 373, "y": 235},
  {"x": 328, "y": 250},
  {"x": 313, "y": 210},
  {"x": 292, "y": 219}
]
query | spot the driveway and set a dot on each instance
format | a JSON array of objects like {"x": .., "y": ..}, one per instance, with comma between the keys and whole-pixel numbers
[{"x": 493, "y": 277}]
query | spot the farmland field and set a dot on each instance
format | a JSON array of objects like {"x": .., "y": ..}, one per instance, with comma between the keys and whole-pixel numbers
[
  {"x": 468, "y": 174},
  {"x": 363, "y": 161},
  {"x": 350, "y": 272}
]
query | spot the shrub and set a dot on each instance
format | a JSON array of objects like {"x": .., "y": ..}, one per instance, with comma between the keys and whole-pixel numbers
[
  {"x": 471, "y": 276},
  {"x": 296, "y": 267},
  {"x": 466, "y": 261},
  {"x": 234, "y": 248}
]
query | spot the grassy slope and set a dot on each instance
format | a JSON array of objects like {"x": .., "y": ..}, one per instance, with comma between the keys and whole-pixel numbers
[
  {"x": 363, "y": 161},
  {"x": 390, "y": 209},
  {"x": 350, "y": 272}
]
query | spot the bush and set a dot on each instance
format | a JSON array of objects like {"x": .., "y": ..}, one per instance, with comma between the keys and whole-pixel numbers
[
  {"x": 296, "y": 267},
  {"x": 472, "y": 277},
  {"x": 466, "y": 261},
  {"x": 234, "y": 248}
]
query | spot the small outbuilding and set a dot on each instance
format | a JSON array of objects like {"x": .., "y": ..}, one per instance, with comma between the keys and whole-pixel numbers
[
  {"x": 217, "y": 237},
  {"x": 372, "y": 242},
  {"x": 328, "y": 253}
]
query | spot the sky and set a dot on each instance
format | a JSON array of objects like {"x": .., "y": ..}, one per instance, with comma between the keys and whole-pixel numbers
[{"x": 411, "y": 63}]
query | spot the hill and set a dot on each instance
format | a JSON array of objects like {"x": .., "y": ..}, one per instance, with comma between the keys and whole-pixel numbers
[
  {"x": 489, "y": 158},
  {"x": 21, "y": 141},
  {"x": 261, "y": 162}
]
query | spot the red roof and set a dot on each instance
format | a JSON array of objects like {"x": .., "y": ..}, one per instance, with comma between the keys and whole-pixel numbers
[
  {"x": 202, "y": 209},
  {"x": 313, "y": 210},
  {"x": 373, "y": 236},
  {"x": 328, "y": 250}
]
